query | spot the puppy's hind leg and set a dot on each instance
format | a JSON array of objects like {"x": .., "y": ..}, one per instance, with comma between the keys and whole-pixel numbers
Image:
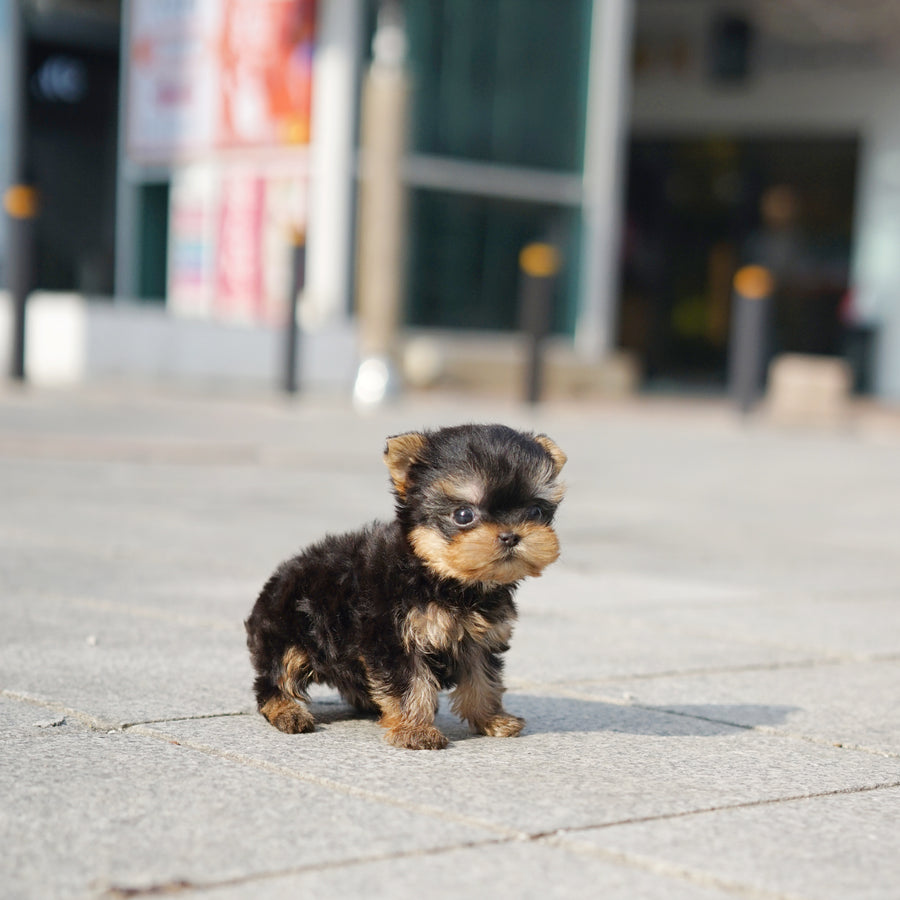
[{"x": 283, "y": 700}]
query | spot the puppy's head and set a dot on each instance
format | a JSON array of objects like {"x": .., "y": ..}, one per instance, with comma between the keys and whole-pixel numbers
[{"x": 477, "y": 501}]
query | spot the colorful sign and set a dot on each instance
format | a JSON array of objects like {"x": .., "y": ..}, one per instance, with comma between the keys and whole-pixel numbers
[
  {"x": 206, "y": 75},
  {"x": 231, "y": 231}
]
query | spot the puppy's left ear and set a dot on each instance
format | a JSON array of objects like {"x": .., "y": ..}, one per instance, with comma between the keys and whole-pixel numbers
[
  {"x": 400, "y": 452},
  {"x": 559, "y": 458}
]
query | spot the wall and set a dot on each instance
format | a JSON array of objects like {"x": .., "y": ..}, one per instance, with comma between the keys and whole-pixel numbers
[{"x": 70, "y": 339}]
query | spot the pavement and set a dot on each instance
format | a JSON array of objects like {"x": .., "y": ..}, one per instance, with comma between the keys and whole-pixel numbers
[{"x": 710, "y": 674}]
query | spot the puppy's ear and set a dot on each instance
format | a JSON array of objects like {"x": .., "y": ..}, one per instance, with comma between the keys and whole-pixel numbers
[
  {"x": 400, "y": 452},
  {"x": 559, "y": 458}
]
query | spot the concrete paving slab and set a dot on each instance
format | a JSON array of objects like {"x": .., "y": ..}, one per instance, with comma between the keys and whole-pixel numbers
[
  {"x": 578, "y": 763},
  {"x": 844, "y": 704},
  {"x": 524, "y": 871},
  {"x": 126, "y": 811},
  {"x": 827, "y": 848},
  {"x": 561, "y": 646},
  {"x": 744, "y": 578},
  {"x": 825, "y": 625},
  {"x": 123, "y": 668},
  {"x": 619, "y": 590}
]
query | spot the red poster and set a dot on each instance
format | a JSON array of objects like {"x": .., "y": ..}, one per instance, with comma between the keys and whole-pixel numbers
[
  {"x": 205, "y": 75},
  {"x": 266, "y": 61}
]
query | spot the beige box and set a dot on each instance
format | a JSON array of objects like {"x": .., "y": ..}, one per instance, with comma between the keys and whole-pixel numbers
[{"x": 808, "y": 390}]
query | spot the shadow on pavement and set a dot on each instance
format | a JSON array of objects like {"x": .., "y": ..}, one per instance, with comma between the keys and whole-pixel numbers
[{"x": 561, "y": 715}]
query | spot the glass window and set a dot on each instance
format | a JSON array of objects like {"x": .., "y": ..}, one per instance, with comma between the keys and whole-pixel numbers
[
  {"x": 464, "y": 252},
  {"x": 500, "y": 81}
]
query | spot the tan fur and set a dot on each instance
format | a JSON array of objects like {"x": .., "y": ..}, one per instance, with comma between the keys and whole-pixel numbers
[
  {"x": 288, "y": 716},
  {"x": 420, "y": 702},
  {"x": 492, "y": 636},
  {"x": 436, "y": 628},
  {"x": 554, "y": 491},
  {"x": 478, "y": 555},
  {"x": 408, "y": 720},
  {"x": 461, "y": 491},
  {"x": 433, "y": 628},
  {"x": 556, "y": 454},
  {"x": 400, "y": 452},
  {"x": 477, "y": 698},
  {"x": 295, "y": 673}
]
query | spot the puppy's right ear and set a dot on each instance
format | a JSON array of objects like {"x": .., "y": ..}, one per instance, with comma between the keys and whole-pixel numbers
[{"x": 400, "y": 452}]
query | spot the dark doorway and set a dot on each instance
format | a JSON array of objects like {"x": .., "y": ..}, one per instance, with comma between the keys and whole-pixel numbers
[
  {"x": 72, "y": 108},
  {"x": 698, "y": 209}
]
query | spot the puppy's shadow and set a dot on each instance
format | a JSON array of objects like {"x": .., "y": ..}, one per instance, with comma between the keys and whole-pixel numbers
[
  {"x": 330, "y": 712},
  {"x": 567, "y": 715},
  {"x": 548, "y": 715}
]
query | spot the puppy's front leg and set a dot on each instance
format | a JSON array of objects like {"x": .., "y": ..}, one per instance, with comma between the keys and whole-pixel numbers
[
  {"x": 408, "y": 709},
  {"x": 477, "y": 697}
]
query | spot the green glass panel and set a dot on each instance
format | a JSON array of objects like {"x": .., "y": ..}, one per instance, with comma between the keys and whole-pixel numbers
[
  {"x": 500, "y": 80},
  {"x": 464, "y": 253}
]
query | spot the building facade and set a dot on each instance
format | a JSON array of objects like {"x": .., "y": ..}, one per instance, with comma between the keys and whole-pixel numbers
[{"x": 653, "y": 142}]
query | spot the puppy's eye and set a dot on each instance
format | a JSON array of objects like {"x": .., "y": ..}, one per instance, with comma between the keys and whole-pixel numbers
[
  {"x": 463, "y": 516},
  {"x": 534, "y": 513}
]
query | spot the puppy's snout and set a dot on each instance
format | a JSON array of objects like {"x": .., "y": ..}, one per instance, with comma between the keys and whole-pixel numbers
[{"x": 509, "y": 538}]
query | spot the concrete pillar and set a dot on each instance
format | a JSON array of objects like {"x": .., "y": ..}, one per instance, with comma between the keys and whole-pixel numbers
[
  {"x": 606, "y": 132},
  {"x": 876, "y": 262},
  {"x": 329, "y": 240},
  {"x": 382, "y": 209}
]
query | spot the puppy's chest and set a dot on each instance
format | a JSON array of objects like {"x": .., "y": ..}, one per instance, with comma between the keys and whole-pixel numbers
[{"x": 436, "y": 629}]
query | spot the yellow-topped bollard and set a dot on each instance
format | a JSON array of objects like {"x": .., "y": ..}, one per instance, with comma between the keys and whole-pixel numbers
[
  {"x": 748, "y": 346},
  {"x": 754, "y": 282},
  {"x": 21, "y": 201},
  {"x": 540, "y": 260},
  {"x": 540, "y": 264}
]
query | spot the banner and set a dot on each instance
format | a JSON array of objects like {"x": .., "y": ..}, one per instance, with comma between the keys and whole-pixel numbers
[
  {"x": 208, "y": 75},
  {"x": 231, "y": 231}
]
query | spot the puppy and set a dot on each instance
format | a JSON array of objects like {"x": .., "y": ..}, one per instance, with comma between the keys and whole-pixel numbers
[{"x": 394, "y": 613}]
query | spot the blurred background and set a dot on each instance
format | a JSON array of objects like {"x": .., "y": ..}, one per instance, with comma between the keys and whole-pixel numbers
[{"x": 184, "y": 177}]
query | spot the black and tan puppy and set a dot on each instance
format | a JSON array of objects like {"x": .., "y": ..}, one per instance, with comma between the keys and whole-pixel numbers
[{"x": 392, "y": 614}]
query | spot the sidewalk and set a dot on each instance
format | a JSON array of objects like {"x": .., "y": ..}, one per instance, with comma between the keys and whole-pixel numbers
[{"x": 710, "y": 674}]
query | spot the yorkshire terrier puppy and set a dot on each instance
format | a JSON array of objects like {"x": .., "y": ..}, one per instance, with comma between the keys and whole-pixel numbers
[{"x": 394, "y": 613}]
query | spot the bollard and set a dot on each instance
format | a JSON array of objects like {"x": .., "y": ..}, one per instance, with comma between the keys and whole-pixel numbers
[
  {"x": 750, "y": 311},
  {"x": 297, "y": 280},
  {"x": 21, "y": 204},
  {"x": 540, "y": 265}
]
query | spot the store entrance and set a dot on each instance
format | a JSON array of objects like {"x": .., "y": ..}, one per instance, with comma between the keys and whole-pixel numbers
[{"x": 698, "y": 209}]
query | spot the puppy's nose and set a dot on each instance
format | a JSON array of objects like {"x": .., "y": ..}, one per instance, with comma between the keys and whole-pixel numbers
[{"x": 508, "y": 538}]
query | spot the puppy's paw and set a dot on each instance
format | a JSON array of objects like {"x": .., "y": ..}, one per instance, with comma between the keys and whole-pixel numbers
[
  {"x": 502, "y": 725},
  {"x": 416, "y": 737},
  {"x": 289, "y": 717}
]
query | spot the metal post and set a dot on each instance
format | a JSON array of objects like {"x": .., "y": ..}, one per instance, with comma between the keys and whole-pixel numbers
[
  {"x": 539, "y": 264},
  {"x": 20, "y": 203},
  {"x": 750, "y": 310},
  {"x": 20, "y": 200},
  {"x": 298, "y": 277}
]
